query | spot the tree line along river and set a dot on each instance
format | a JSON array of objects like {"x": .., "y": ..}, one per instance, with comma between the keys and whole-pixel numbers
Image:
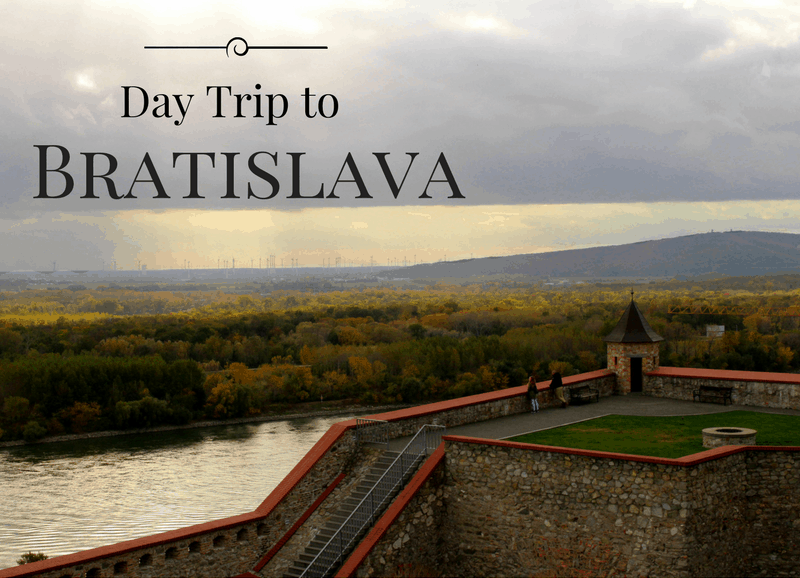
[{"x": 60, "y": 498}]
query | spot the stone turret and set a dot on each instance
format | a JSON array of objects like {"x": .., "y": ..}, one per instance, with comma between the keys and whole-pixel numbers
[{"x": 632, "y": 349}]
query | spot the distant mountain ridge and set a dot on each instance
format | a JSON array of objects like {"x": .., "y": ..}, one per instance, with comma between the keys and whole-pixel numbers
[{"x": 733, "y": 253}]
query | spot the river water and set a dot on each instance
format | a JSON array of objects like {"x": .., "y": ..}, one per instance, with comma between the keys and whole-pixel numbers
[{"x": 65, "y": 497}]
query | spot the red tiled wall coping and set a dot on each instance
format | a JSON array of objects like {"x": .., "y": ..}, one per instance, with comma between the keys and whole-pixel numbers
[
  {"x": 262, "y": 511},
  {"x": 726, "y": 375},
  {"x": 686, "y": 461},
  {"x": 390, "y": 516},
  {"x": 308, "y": 461},
  {"x": 85, "y": 556},
  {"x": 392, "y": 513},
  {"x": 282, "y": 542},
  {"x": 441, "y": 406},
  {"x": 319, "y": 449}
]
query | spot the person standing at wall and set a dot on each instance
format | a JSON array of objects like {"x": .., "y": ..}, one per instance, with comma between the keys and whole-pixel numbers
[
  {"x": 533, "y": 393},
  {"x": 557, "y": 387}
]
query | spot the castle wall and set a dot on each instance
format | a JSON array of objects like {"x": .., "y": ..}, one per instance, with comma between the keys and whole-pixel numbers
[
  {"x": 514, "y": 510},
  {"x": 485, "y": 406},
  {"x": 717, "y": 517},
  {"x": 408, "y": 539},
  {"x": 509, "y": 509},
  {"x": 743, "y": 516},
  {"x": 278, "y": 561},
  {"x": 215, "y": 553},
  {"x": 774, "y": 513},
  {"x": 224, "y": 547},
  {"x": 241, "y": 541},
  {"x": 500, "y": 508},
  {"x": 778, "y": 390}
]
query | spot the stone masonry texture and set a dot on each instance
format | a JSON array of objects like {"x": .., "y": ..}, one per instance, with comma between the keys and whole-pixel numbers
[
  {"x": 222, "y": 552},
  {"x": 502, "y": 509},
  {"x": 491, "y": 410},
  {"x": 493, "y": 510},
  {"x": 290, "y": 552},
  {"x": 744, "y": 392},
  {"x": 414, "y": 544},
  {"x": 618, "y": 356},
  {"x": 514, "y": 512}
]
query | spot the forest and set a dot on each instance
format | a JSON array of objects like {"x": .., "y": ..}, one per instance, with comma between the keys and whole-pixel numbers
[{"x": 75, "y": 359}]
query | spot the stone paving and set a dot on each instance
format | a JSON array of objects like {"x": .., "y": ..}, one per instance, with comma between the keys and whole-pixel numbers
[{"x": 632, "y": 404}]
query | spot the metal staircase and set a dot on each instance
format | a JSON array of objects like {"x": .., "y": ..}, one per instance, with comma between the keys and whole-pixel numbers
[
  {"x": 342, "y": 514},
  {"x": 359, "y": 512}
]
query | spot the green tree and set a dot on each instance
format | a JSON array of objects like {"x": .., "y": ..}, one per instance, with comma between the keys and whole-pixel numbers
[
  {"x": 33, "y": 430},
  {"x": 417, "y": 331},
  {"x": 15, "y": 409}
]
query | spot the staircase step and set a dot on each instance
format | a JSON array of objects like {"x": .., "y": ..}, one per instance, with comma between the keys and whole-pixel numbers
[
  {"x": 326, "y": 534},
  {"x": 307, "y": 558},
  {"x": 294, "y": 572},
  {"x": 348, "y": 506},
  {"x": 355, "y": 498},
  {"x": 372, "y": 478}
]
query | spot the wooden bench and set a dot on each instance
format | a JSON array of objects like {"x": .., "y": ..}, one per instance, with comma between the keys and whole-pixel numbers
[
  {"x": 579, "y": 394},
  {"x": 713, "y": 394}
]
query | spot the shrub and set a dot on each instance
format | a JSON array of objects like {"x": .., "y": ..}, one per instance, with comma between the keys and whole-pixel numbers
[
  {"x": 81, "y": 416},
  {"x": 29, "y": 557},
  {"x": 33, "y": 430},
  {"x": 142, "y": 413},
  {"x": 15, "y": 408}
]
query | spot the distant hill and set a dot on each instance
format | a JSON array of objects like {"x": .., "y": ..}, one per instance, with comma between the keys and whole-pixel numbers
[{"x": 735, "y": 253}]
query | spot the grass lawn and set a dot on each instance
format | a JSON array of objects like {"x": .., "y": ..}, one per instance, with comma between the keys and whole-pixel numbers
[{"x": 665, "y": 437}]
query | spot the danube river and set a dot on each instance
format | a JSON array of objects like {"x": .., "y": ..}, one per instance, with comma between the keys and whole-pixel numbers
[{"x": 64, "y": 497}]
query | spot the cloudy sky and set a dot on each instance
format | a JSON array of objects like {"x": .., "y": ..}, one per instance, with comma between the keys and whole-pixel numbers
[{"x": 564, "y": 124}]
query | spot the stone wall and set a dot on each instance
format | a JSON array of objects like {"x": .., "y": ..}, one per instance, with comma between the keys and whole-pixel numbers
[
  {"x": 514, "y": 510},
  {"x": 605, "y": 384},
  {"x": 459, "y": 415},
  {"x": 748, "y": 388},
  {"x": 217, "y": 553},
  {"x": 743, "y": 514},
  {"x": 618, "y": 356},
  {"x": 221, "y": 548},
  {"x": 234, "y": 545},
  {"x": 489, "y": 508},
  {"x": 771, "y": 495},
  {"x": 485, "y": 406},
  {"x": 508, "y": 509},
  {"x": 291, "y": 550},
  {"x": 408, "y": 539},
  {"x": 717, "y": 517}
]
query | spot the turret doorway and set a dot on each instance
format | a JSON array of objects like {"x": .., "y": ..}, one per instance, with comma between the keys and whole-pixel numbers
[{"x": 636, "y": 374}]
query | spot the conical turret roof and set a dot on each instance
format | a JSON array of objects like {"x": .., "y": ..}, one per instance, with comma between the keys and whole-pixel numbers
[{"x": 633, "y": 328}]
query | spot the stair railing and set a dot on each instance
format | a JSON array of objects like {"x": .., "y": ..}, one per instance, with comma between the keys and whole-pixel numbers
[
  {"x": 332, "y": 554},
  {"x": 374, "y": 431}
]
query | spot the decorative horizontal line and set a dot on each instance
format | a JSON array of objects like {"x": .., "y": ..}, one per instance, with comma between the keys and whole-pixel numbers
[
  {"x": 224, "y": 47},
  {"x": 238, "y": 45}
]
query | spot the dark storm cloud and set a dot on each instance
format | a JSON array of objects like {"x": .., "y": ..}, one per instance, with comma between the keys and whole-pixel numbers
[{"x": 548, "y": 103}]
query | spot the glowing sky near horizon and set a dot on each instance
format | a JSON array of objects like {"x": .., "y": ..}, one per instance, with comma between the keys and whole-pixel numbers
[{"x": 566, "y": 125}]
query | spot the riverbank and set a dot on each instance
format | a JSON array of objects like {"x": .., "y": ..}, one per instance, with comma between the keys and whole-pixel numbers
[
  {"x": 315, "y": 409},
  {"x": 61, "y": 498}
]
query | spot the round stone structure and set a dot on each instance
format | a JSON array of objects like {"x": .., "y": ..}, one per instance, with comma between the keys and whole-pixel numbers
[
  {"x": 714, "y": 437},
  {"x": 632, "y": 350}
]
